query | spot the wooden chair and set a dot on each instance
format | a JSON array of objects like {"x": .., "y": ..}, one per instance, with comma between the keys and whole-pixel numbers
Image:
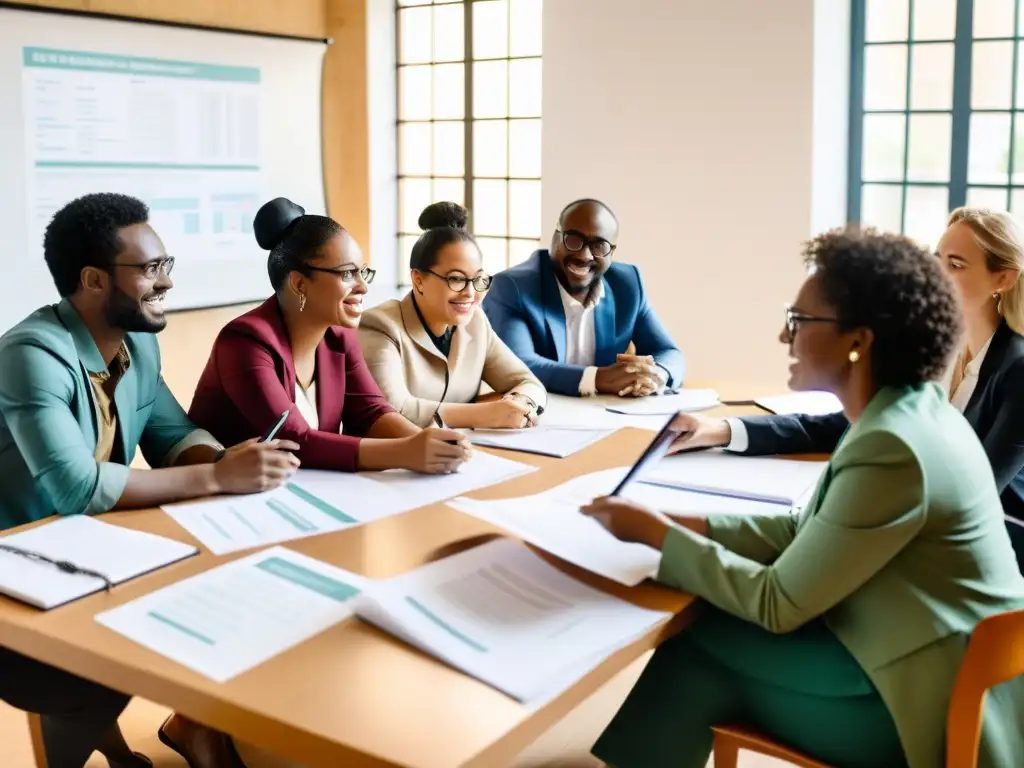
[
  {"x": 994, "y": 655},
  {"x": 35, "y": 729}
]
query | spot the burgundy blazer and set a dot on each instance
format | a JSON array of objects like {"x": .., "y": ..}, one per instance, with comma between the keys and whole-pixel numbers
[{"x": 249, "y": 381}]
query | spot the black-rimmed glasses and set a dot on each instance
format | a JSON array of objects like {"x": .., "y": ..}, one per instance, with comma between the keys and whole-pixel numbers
[
  {"x": 794, "y": 317},
  {"x": 458, "y": 283},
  {"x": 348, "y": 274},
  {"x": 151, "y": 269},
  {"x": 575, "y": 242}
]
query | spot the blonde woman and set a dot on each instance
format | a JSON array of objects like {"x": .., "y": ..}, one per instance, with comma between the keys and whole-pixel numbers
[{"x": 983, "y": 251}]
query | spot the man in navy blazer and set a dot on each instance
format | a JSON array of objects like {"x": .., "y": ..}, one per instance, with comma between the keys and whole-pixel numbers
[{"x": 571, "y": 313}]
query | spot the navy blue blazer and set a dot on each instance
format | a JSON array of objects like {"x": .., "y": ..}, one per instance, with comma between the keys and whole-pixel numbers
[
  {"x": 995, "y": 411},
  {"x": 525, "y": 310}
]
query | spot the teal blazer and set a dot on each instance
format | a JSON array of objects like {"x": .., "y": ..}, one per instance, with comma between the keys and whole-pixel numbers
[
  {"x": 902, "y": 549},
  {"x": 49, "y": 418}
]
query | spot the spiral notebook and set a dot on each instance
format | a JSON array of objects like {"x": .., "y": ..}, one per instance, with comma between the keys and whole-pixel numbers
[{"x": 71, "y": 557}]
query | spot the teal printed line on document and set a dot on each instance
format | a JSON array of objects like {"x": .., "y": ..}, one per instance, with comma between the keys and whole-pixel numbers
[
  {"x": 290, "y": 516},
  {"x": 244, "y": 521},
  {"x": 181, "y": 628},
  {"x": 444, "y": 624},
  {"x": 320, "y": 504},
  {"x": 303, "y": 577},
  {"x": 216, "y": 526}
]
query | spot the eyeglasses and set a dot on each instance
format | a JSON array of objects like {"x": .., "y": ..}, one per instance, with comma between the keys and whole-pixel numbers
[
  {"x": 458, "y": 283},
  {"x": 794, "y": 317},
  {"x": 152, "y": 269},
  {"x": 348, "y": 274},
  {"x": 575, "y": 242}
]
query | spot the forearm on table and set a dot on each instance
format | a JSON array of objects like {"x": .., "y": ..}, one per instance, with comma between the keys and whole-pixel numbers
[
  {"x": 152, "y": 487},
  {"x": 376, "y": 454},
  {"x": 392, "y": 425},
  {"x": 461, "y": 415}
]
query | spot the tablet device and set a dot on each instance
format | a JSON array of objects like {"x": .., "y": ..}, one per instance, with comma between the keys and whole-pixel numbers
[{"x": 652, "y": 454}]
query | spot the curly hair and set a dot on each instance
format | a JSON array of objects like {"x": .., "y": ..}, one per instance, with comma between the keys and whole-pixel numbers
[
  {"x": 891, "y": 285},
  {"x": 87, "y": 233}
]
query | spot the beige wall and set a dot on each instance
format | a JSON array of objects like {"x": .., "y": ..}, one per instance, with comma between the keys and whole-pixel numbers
[{"x": 693, "y": 120}]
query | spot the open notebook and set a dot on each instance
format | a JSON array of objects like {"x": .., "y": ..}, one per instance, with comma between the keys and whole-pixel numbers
[{"x": 49, "y": 568}]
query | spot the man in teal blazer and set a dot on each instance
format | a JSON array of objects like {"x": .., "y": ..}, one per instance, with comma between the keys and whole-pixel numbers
[{"x": 80, "y": 390}]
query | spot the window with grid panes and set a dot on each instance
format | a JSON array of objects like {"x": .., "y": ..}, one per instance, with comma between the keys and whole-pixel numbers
[
  {"x": 936, "y": 93},
  {"x": 469, "y": 121}
]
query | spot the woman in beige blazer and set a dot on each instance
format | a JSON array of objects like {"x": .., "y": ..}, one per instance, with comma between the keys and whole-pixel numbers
[{"x": 430, "y": 352}]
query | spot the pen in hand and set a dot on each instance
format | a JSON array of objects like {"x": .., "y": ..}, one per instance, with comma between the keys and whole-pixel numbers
[{"x": 272, "y": 432}]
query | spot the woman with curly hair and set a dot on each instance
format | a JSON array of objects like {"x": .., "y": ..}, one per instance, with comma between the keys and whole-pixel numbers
[
  {"x": 839, "y": 630},
  {"x": 983, "y": 252}
]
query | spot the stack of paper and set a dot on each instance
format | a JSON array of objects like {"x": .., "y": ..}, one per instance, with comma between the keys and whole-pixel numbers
[
  {"x": 811, "y": 403},
  {"x": 229, "y": 619},
  {"x": 315, "y": 502},
  {"x": 118, "y": 553},
  {"x": 557, "y": 442},
  {"x": 552, "y": 521},
  {"x": 778, "y": 481},
  {"x": 666, "y": 405},
  {"x": 506, "y": 617}
]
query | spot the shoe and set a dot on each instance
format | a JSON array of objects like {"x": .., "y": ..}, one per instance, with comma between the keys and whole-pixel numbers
[{"x": 230, "y": 754}]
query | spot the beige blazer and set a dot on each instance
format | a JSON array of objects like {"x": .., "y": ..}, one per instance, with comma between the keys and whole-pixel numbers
[{"x": 416, "y": 378}]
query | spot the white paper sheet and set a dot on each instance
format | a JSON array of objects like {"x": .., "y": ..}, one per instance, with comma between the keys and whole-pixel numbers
[
  {"x": 541, "y": 440},
  {"x": 315, "y": 502},
  {"x": 118, "y": 553},
  {"x": 227, "y": 620},
  {"x": 552, "y": 521},
  {"x": 779, "y": 481},
  {"x": 666, "y": 405},
  {"x": 505, "y": 616},
  {"x": 592, "y": 413},
  {"x": 408, "y": 490},
  {"x": 811, "y": 403}
]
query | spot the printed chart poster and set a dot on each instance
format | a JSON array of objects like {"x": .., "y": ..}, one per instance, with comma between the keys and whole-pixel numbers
[{"x": 183, "y": 136}]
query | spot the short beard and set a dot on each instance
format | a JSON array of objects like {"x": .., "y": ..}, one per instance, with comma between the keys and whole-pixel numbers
[{"x": 123, "y": 312}]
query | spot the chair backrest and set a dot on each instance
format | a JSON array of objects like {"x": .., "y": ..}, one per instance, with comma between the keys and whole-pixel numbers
[{"x": 994, "y": 655}]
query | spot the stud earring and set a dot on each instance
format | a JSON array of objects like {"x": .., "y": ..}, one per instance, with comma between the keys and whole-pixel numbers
[
  {"x": 854, "y": 356},
  {"x": 302, "y": 302}
]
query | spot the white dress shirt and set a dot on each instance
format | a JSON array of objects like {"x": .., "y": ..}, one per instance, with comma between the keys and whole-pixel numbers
[
  {"x": 740, "y": 441},
  {"x": 580, "y": 338},
  {"x": 305, "y": 401}
]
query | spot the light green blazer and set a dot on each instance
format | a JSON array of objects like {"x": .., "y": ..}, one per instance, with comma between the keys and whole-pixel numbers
[
  {"x": 49, "y": 418},
  {"x": 902, "y": 548}
]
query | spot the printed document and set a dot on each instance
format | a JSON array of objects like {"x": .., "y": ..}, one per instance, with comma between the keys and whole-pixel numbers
[
  {"x": 593, "y": 413},
  {"x": 503, "y": 615},
  {"x": 811, "y": 403},
  {"x": 666, "y": 405},
  {"x": 314, "y": 502},
  {"x": 230, "y": 619}
]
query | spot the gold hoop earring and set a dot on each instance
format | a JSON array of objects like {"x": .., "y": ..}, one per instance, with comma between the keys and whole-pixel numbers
[
  {"x": 302, "y": 302},
  {"x": 999, "y": 301},
  {"x": 854, "y": 356}
]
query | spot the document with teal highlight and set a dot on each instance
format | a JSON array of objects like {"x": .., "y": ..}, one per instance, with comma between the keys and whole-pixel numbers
[
  {"x": 315, "y": 501},
  {"x": 503, "y": 615},
  {"x": 230, "y": 619}
]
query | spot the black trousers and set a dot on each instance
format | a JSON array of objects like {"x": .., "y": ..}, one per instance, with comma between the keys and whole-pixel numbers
[{"x": 77, "y": 715}]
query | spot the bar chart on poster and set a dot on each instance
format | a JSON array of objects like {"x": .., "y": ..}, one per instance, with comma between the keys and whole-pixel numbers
[{"x": 202, "y": 126}]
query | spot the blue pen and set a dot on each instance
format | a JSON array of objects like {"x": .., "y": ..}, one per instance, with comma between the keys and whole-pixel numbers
[{"x": 269, "y": 435}]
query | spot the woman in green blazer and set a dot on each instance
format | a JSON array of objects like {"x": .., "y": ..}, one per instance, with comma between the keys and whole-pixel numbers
[{"x": 839, "y": 631}]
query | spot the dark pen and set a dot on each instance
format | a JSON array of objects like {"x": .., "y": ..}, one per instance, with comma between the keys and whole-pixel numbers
[{"x": 63, "y": 565}]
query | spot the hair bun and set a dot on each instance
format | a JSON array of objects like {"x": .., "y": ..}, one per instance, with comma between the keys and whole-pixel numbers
[
  {"x": 444, "y": 214},
  {"x": 273, "y": 220}
]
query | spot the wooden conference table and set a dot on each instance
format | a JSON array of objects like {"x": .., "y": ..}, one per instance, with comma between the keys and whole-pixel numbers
[{"x": 353, "y": 695}]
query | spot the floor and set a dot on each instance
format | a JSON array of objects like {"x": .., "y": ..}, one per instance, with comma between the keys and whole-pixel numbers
[{"x": 564, "y": 746}]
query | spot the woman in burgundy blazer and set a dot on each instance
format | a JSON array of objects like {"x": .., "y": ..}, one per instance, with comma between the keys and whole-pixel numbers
[{"x": 298, "y": 351}]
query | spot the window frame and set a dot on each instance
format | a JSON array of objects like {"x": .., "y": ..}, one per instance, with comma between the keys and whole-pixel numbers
[
  {"x": 961, "y": 111},
  {"x": 468, "y": 121}
]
